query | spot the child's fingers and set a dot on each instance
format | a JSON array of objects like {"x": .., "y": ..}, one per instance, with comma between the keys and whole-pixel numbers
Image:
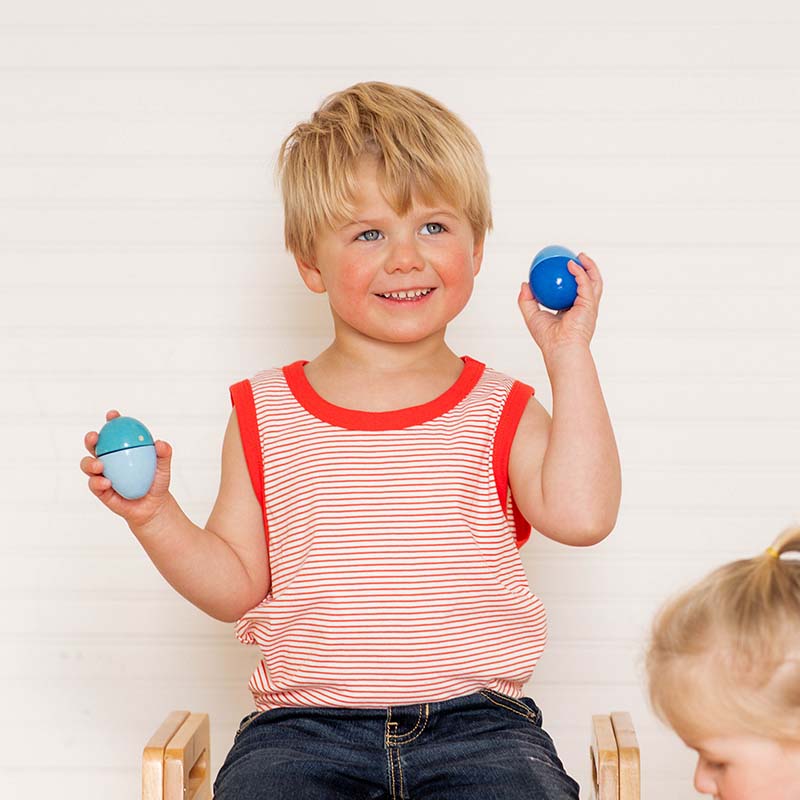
[
  {"x": 581, "y": 278},
  {"x": 587, "y": 277},
  {"x": 163, "y": 458},
  {"x": 91, "y": 466},
  {"x": 528, "y": 304},
  {"x": 591, "y": 268},
  {"x": 163, "y": 449},
  {"x": 99, "y": 485},
  {"x": 162, "y": 478},
  {"x": 525, "y": 299},
  {"x": 90, "y": 441},
  {"x": 525, "y": 292}
]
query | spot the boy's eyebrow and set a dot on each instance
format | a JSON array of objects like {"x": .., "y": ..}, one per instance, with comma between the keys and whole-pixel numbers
[
  {"x": 360, "y": 222},
  {"x": 437, "y": 211},
  {"x": 423, "y": 212}
]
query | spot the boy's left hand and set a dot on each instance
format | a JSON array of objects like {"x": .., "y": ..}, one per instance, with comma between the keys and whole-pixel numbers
[{"x": 573, "y": 325}]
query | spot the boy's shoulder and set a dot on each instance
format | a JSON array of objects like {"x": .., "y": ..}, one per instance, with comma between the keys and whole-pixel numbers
[
  {"x": 496, "y": 378},
  {"x": 272, "y": 375},
  {"x": 268, "y": 376},
  {"x": 246, "y": 392}
]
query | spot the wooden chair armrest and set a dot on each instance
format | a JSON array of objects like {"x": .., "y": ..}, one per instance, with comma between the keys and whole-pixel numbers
[
  {"x": 614, "y": 756},
  {"x": 604, "y": 759},
  {"x": 176, "y": 760},
  {"x": 628, "y": 748},
  {"x": 153, "y": 755}
]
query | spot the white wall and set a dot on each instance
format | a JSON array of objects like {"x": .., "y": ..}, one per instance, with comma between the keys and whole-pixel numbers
[{"x": 143, "y": 268}]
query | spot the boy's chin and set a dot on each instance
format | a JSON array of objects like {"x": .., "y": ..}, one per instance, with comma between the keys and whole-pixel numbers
[
  {"x": 404, "y": 337},
  {"x": 416, "y": 332}
]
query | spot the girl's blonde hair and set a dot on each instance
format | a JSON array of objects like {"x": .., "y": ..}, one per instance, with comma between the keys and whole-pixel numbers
[
  {"x": 724, "y": 656},
  {"x": 422, "y": 150}
]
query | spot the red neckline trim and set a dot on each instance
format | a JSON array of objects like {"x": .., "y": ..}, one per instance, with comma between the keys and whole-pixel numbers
[{"x": 352, "y": 419}]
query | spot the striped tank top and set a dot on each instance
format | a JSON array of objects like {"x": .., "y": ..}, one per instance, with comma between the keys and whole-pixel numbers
[{"x": 392, "y": 540}]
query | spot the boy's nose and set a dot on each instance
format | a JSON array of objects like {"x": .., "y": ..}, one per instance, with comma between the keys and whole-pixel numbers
[{"x": 404, "y": 257}]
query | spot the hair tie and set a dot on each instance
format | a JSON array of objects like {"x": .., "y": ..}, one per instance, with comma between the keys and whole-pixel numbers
[{"x": 771, "y": 551}]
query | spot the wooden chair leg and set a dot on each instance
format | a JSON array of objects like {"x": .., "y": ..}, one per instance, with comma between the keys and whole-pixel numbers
[{"x": 176, "y": 761}]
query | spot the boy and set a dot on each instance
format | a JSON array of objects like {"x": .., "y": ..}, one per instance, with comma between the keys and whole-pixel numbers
[{"x": 373, "y": 500}]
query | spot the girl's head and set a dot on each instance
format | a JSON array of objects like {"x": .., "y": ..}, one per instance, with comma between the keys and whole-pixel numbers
[
  {"x": 422, "y": 151},
  {"x": 724, "y": 671}
]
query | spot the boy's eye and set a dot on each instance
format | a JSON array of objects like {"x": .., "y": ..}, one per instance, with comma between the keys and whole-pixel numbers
[
  {"x": 369, "y": 236},
  {"x": 432, "y": 227}
]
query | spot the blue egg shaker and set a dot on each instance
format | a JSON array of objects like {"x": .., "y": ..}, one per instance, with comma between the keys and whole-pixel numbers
[
  {"x": 128, "y": 453},
  {"x": 552, "y": 284}
]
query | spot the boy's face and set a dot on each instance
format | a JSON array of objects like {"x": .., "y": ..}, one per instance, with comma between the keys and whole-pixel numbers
[
  {"x": 744, "y": 767},
  {"x": 394, "y": 279}
]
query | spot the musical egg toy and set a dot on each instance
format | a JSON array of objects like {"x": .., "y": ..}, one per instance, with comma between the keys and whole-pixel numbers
[
  {"x": 552, "y": 284},
  {"x": 128, "y": 453}
]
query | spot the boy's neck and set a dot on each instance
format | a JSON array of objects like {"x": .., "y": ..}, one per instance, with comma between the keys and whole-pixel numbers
[
  {"x": 384, "y": 377},
  {"x": 387, "y": 358}
]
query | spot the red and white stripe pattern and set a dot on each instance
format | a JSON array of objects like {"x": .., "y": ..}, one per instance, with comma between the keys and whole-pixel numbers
[{"x": 393, "y": 545}]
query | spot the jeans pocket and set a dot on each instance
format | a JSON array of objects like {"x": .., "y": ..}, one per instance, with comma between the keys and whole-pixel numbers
[{"x": 523, "y": 707}]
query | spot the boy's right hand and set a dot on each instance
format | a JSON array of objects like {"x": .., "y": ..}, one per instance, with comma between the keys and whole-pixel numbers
[{"x": 135, "y": 512}]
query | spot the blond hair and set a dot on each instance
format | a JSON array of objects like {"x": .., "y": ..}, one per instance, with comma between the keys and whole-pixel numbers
[
  {"x": 724, "y": 656},
  {"x": 422, "y": 150}
]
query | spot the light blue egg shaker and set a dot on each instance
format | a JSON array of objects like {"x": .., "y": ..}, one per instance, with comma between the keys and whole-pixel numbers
[{"x": 128, "y": 453}]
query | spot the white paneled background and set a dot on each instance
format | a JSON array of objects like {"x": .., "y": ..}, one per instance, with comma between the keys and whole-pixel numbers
[{"x": 143, "y": 268}]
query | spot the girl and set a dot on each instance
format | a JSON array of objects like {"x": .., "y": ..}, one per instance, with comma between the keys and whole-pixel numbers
[{"x": 724, "y": 671}]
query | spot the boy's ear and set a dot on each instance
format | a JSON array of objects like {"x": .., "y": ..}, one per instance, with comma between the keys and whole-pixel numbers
[
  {"x": 311, "y": 275},
  {"x": 477, "y": 254}
]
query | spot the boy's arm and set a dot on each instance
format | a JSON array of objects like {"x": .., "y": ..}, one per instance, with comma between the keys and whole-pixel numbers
[
  {"x": 222, "y": 568},
  {"x": 565, "y": 473}
]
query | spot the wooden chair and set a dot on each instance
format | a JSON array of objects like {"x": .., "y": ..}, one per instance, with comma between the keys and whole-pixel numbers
[
  {"x": 176, "y": 763},
  {"x": 614, "y": 755}
]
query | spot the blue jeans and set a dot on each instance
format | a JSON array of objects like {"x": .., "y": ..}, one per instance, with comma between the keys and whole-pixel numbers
[{"x": 483, "y": 746}]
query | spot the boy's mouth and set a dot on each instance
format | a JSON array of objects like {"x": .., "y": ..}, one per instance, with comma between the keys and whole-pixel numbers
[{"x": 406, "y": 296}]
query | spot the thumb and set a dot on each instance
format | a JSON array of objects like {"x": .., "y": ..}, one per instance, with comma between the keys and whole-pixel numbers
[
  {"x": 163, "y": 467},
  {"x": 525, "y": 296},
  {"x": 528, "y": 304},
  {"x": 525, "y": 292}
]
